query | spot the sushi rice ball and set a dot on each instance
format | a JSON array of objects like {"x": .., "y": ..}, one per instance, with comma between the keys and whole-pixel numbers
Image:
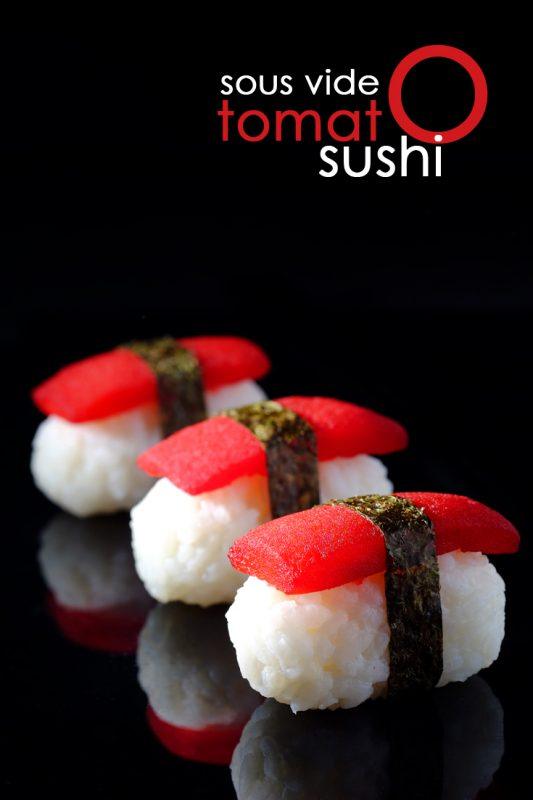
[
  {"x": 104, "y": 411},
  {"x": 311, "y": 625},
  {"x": 213, "y": 487}
]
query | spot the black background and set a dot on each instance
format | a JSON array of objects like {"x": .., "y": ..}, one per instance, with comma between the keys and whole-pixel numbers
[{"x": 123, "y": 216}]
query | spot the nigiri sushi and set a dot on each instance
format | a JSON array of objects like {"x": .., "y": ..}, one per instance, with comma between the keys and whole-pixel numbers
[
  {"x": 105, "y": 410},
  {"x": 369, "y": 596},
  {"x": 94, "y": 594},
  {"x": 223, "y": 476},
  {"x": 448, "y": 748},
  {"x": 198, "y": 701}
]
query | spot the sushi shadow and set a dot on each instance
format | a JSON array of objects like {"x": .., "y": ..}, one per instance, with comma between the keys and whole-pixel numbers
[
  {"x": 94, "y": 594},
  {"x": 198, "y": 702},
  {"x": 447, "y": 744}
]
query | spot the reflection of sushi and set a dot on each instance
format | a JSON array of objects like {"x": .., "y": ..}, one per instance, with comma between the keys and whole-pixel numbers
[
  {"x": 349, "y": 600},
  {"x": 198, "y": 702},
  {"x": 105, "y": 410},
  {"x": 225, "y": 475},
  {"x": 95, "y": 595},
  {"x": 449, "y": 748}
]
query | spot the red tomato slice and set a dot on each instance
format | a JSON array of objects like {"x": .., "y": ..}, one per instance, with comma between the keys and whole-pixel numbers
[
  {"x": 227, "y": 359},
  {"x": 329, "y": 546},
  {"x": 117, "y": 381},
  {"x": 344, "y": 429},
  {"x": 98, "y": 387},
  {"x": 206, "y": 456},
  {"x": 215, "y": 452}
]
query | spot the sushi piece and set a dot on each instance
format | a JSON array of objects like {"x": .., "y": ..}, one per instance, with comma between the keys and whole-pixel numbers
[
  {"x": 94, "y": 594},
  {"x": 224, "y": 476},
  {"x": 105, "y": 410},
  {"x": 448, "y": 748},
  {"x": 369, "y": 596},
  {"x": 198, "y": 701}
]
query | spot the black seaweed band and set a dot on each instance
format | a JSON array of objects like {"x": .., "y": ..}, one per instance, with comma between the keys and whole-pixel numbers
[
  {"x": 291, "y": 454},
  {"x": 412, "y": 590},
  {"x": 179, "y": 382}
]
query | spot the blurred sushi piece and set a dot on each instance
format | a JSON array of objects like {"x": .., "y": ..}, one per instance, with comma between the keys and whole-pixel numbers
[
  {"x": 369, "y": 596},
  {"x": 95, "y": 596},
  {"x": 198, "y": 701},
  {"x": 448, "y": 748},
  {"x": 224, "y": 476},
  {"x": 105, "y": 410}
]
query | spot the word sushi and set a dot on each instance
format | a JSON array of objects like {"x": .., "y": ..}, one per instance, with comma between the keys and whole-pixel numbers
[
  {"x": 226, "y": 475},
  {"x": 105, "y": 410},
  {"x": 369, "y": 596}
]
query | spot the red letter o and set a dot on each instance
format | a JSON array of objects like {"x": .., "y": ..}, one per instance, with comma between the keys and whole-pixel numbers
[
  {"x": 480, "y": 93},
  {"x": 249, "y": 137}
]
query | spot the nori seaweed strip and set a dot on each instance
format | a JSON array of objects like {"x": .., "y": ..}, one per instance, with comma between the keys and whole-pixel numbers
[
  {"x": 179, "y": 382},
  {"x": 291, "y": 454},
  {"x": 412, "y": 590}
]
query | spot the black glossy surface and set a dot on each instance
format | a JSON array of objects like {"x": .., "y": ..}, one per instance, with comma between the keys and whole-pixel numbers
[{"x": 121, "y": 218}]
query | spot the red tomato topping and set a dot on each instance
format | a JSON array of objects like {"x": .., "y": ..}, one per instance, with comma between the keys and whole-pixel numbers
[
  {"x": 215, "y": 452},
  {"x": 117, "y": 381},
  {"x": 206, "y": 456},
  {"x": 464, "y": 524},
  {"x": 344, "y": 429},
  {"x": 227, "y": 359},
  {"x": 98, "y": 387},
  {"x": 329, "y": 546},
  {"x": 213, "y": 744}
]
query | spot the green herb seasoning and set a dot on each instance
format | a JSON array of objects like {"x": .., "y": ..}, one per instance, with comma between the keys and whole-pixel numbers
[
  {"x": 179, "y": 382},
  {"x": 412, "y": 590},
  {"x": 291, "y": 454}
]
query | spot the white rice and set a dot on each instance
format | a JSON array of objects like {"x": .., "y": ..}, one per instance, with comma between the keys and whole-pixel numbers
[
  {"x": 88, "y": 564},
  {"x": 181, "y": 541},
  {"x": 357, "y": 754},
  {"x": 89, "y": 467},
  {"x": 346, "y": 477},
  {"x": 187, "y": 668},
  {"x": 329, "y": 649},
  {"x": 233, "y": 395}
]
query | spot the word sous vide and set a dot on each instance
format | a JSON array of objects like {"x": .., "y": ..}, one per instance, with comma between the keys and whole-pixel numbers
[{"x": 326, "y": 82}]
